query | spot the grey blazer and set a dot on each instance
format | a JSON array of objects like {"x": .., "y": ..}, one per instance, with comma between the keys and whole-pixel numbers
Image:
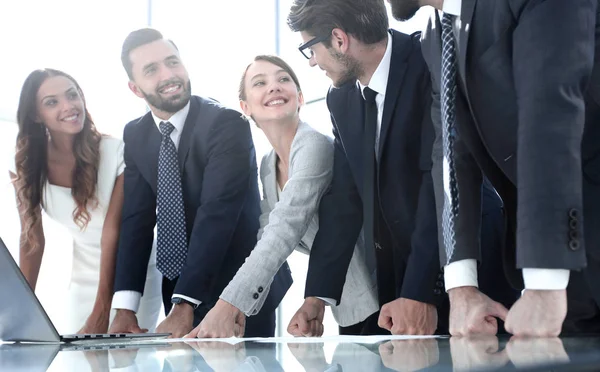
[{"x": 291, "y": 222}]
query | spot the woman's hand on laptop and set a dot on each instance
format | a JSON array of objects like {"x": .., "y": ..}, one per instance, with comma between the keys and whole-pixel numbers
[
  {"x": 125, "y": 322},
  {"x": 96, "y": 323}
]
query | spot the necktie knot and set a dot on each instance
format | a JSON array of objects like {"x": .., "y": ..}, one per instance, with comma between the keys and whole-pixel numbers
[
  {"x": 370, "y": 95},
  {"x": 166, "y": 128}
]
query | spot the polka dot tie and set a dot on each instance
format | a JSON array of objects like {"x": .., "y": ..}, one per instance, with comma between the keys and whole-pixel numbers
[
  {"x": 171, "y": 244},
  {"x": 448, "y": 96}
]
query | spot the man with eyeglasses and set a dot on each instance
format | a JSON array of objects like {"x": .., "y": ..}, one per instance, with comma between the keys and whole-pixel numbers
[{"x": 380, "y": 110}]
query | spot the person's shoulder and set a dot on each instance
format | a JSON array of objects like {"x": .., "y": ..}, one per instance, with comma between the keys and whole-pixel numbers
[
  {"x": 310, "y": 143},
  {"x": 214, "y": 109},
  {"x": 307, "y": 134},
  {"x": 136, "y": 123},
  {"x": 109, "y": 143}
]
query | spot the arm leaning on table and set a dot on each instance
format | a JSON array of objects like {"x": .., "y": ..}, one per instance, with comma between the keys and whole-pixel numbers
[{"x": 282, "y": 228}]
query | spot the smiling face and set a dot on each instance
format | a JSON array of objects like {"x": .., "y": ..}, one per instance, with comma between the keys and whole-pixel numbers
[
  {"x": 60, "y": 106},
  {"x": 160, "y": 77},
  {"x": 270, "y": 93}
]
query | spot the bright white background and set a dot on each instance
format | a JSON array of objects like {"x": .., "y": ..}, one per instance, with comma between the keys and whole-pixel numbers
[{"x": 217, "y": 39}]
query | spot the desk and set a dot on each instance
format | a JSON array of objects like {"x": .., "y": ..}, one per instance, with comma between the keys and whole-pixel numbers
[{"x": 332, "y": 354}]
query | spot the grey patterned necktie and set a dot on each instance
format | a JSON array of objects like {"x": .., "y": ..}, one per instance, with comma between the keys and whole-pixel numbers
[
  {"x": 171, "y": 242},
  {"x": 448, "y": 96}
]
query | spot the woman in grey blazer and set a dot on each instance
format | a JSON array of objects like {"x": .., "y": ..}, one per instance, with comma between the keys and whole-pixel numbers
[{"x": 294, "y": 175}]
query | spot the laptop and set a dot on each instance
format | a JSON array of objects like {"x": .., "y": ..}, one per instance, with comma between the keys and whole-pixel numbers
[{"x": 23, "y": 319}]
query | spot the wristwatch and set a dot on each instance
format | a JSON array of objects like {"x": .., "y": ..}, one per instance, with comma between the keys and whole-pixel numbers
[{"x": 179, "y": 300}]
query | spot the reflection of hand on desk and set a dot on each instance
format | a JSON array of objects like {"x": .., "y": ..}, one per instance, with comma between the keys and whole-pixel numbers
[
  {"x": 525, "y": 352},
  {"x": 310, "y": 355},
  {"x": 180, "y": 358},
  {"x": 220, "y": 356},
  {"x": 410, "y": 355},
  {"x": 123, "y": 358},
  {"x": 97, "y": 359},
  {"x": 476, "y": 352}
]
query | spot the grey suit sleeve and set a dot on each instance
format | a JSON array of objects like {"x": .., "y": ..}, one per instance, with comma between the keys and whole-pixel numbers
[
  {"x": 311, "y": 164},
  {"x": 550, "y": 86},
  {"x": 467, "y": 224}
]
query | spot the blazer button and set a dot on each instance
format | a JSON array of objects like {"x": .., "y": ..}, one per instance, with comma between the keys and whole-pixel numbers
[
  {"x": 255, "y": 296},
  {"x": 437, "y": 291},
  {"x": 573, "y": 235},
  {"x": 574, "y": 245},
  {"x": 439, "y": 284},
  {"x": 573, "y": 224},
  {"x": 573, "y": 213},
  {"x": 440, "y": 276},
  {"x": 260, "y": 289}
]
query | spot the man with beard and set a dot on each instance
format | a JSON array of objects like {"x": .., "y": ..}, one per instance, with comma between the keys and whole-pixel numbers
[
  {"x": 520, "y": 86},
  {"x": 191, "y": 171},
  {"x": 380, "y": 110}
]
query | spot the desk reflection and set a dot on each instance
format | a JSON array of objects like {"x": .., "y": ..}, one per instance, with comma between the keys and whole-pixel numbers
[{"x": 429, "y": 354}]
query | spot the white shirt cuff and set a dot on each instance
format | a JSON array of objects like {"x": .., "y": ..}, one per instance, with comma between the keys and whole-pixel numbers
[
  {"x": 461, "y": 273},
  {"x": 546, "y": 279},
  {"x": 192, "y": 300},
  {"x": 328, "y": 301},
  {"x": 128, "y": 300}
]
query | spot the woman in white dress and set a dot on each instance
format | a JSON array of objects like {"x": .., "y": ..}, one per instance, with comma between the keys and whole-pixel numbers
[{"x": 65, "y": 167}]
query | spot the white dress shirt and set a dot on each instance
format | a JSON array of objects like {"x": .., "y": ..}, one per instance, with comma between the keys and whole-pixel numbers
[
  {"x": 130, "y": 300},
  {"x": 378, "y": 83},
  {"x": 464, "y": 272}
]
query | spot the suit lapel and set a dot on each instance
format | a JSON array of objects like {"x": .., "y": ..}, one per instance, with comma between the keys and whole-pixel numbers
[
  {"x": 150, "y": 141},
  {"x": 186, "y": 134},
  {"x": 270, "y": 180},
  {"x": 397, "y": 70},
  {"x": 466, "y": 16}
]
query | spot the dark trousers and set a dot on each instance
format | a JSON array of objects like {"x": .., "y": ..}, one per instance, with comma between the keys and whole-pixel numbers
[
  {"x": 259, "y": 325},
  {"x": 367, "y": 327}
]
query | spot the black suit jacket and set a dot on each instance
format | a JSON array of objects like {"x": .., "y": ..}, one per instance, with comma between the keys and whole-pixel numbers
[
  {"x": 528, "y": 116},
  {"x": 404, "y": 185},
  {"x": 220, "y": 192}
]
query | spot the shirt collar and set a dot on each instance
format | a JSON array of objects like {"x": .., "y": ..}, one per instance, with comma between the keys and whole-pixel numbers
[
  {"x": 380, "y": 77},
  {"x": 177, "y": 120},
  {"x": 452, "y": 7}
]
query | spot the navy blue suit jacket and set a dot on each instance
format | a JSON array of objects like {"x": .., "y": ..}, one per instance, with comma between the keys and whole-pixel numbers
[
  {"x": 220, "y": 192},
  {"x": 407, "y": 225}
]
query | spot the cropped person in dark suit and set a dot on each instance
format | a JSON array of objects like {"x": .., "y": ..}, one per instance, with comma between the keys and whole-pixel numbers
[
  {"x": 380, "y": 110},
  {"x": 519, "y": 90},
  {"x": 191, "y": 171}
]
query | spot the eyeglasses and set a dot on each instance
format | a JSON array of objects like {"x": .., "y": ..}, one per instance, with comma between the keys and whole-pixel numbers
[{"x": 305, "y": 48}]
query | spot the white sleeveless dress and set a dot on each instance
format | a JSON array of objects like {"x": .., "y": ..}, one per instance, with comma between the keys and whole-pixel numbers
[{"x": 86, "y": 250}]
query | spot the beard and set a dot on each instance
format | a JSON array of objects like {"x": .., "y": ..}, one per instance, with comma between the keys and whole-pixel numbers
[
  {"x": 171, "y": 104},
  {"x": 352, "y": 69},
  {"x": 403, "y": 10}
]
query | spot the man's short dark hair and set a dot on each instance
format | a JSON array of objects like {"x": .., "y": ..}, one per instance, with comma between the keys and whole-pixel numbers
[
  {"x": 366, "y": 20},
  {"x": 136, "y": 39}
]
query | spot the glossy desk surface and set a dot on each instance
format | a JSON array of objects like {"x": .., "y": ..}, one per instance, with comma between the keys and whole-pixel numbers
[{"x": 328, "y": 354}]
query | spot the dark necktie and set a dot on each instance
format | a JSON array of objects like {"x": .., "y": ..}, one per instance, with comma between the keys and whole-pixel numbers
[
  {"x": 171, "y": 244},
  {"x": 369, "y": 179},
  {"x": 448, "y": 96}
]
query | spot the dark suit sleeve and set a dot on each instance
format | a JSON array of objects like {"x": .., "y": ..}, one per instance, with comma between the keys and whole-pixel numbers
[
  {"x": 225, "y": 189},
  {"x": 467, "y": 225},
  {"x": 340, "y": 222},
  {"x": 550, "y": 85},
  {"x": 137, "y": 224},
  {"x": 423, "y": 280}
]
